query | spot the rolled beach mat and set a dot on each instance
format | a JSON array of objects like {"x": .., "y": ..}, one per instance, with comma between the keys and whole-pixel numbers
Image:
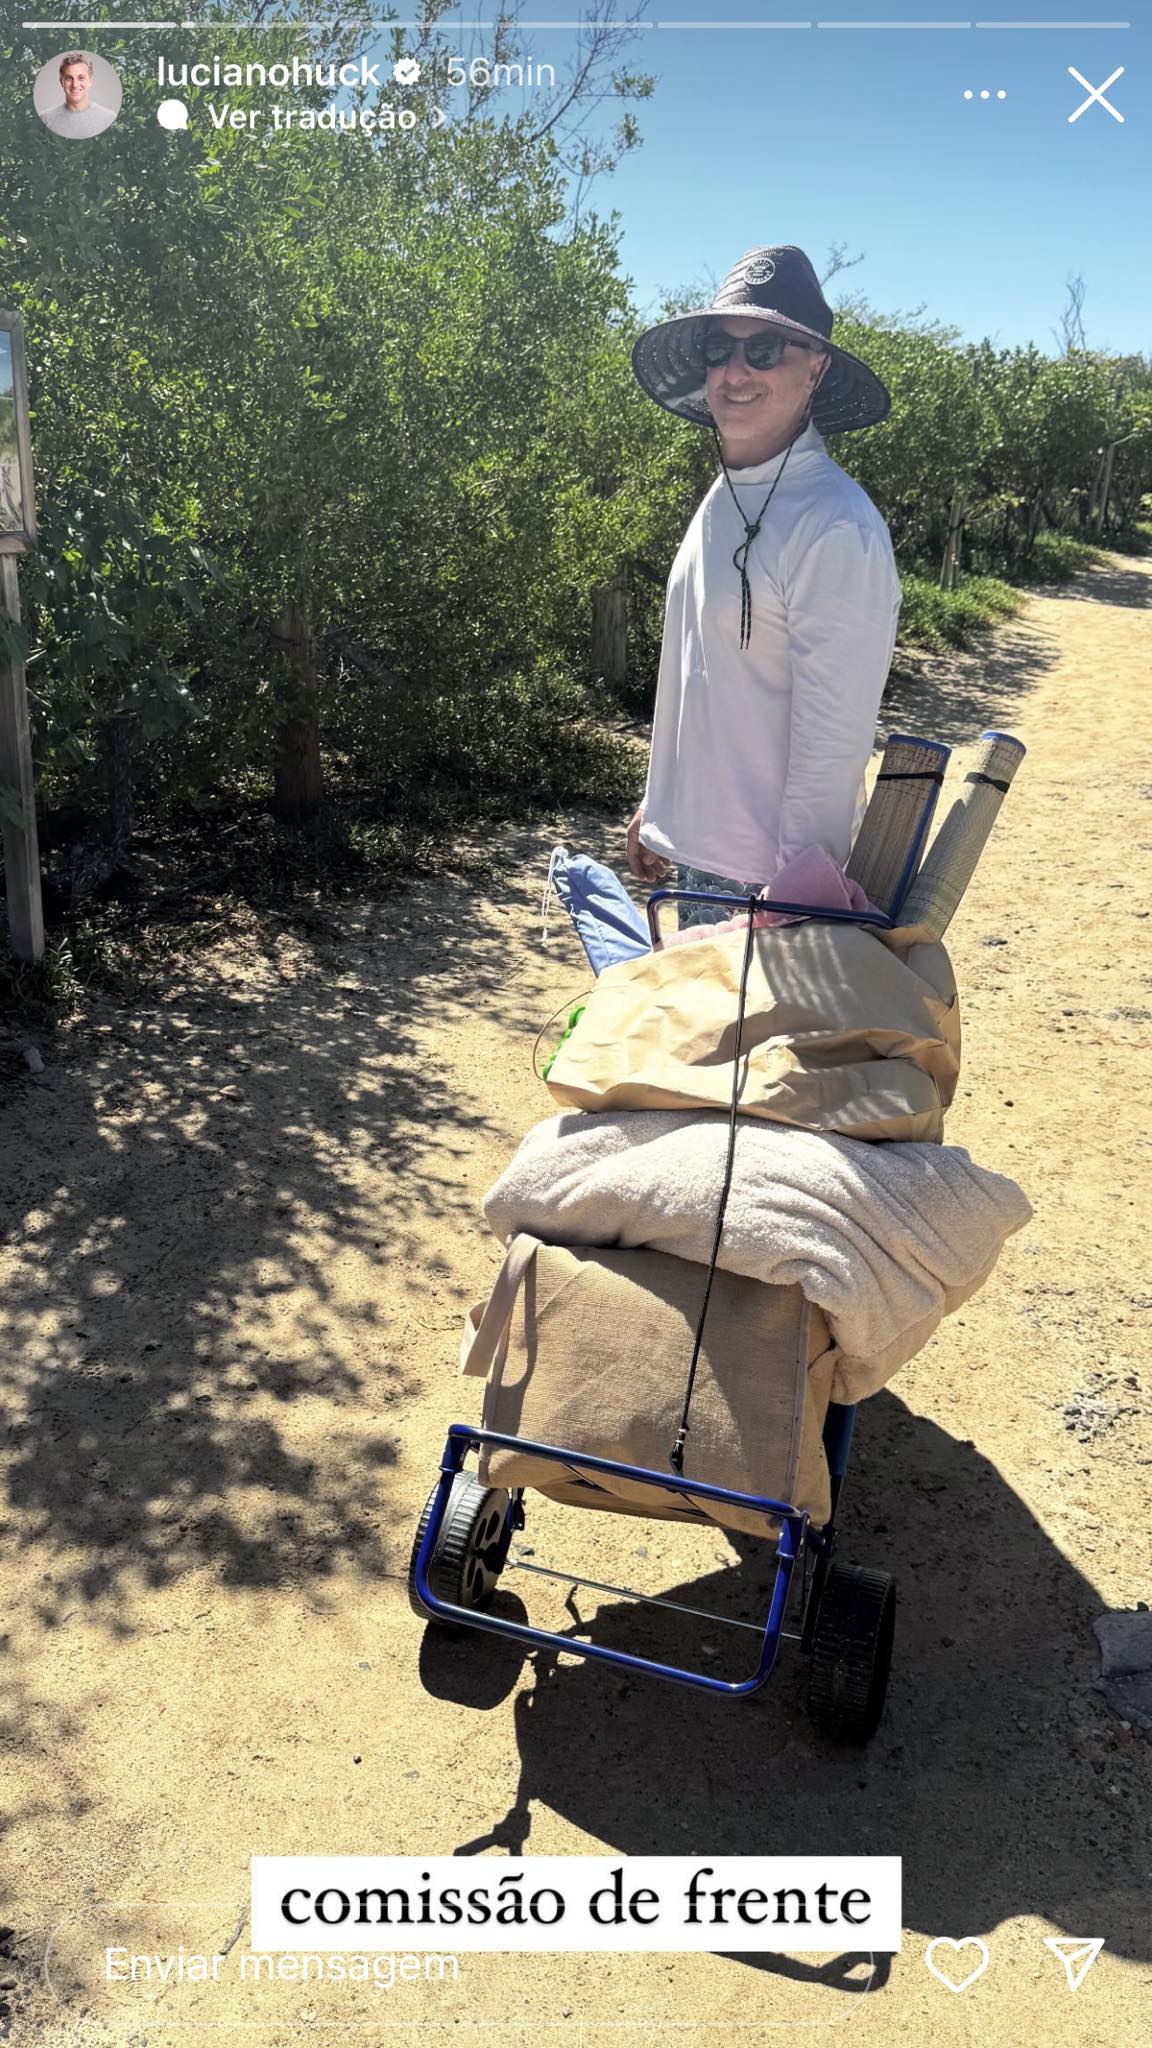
[
  {"x": 950, "y": 862},
  {"x": 894, "y": 827}
]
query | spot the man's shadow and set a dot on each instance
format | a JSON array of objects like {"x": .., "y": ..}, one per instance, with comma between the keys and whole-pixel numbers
[{"x": 991, "y": 1772}]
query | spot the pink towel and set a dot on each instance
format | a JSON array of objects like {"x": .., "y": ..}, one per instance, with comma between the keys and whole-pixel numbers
[{"x": 812, "y": 877}]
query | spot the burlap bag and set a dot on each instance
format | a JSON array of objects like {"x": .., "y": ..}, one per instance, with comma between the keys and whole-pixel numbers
[
  {"x": 589, "y": 1350},
  {"x": 846, "y": 1029}
]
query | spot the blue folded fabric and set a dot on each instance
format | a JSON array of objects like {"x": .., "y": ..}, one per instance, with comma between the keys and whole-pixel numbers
[{"x": 608, "y": 923}]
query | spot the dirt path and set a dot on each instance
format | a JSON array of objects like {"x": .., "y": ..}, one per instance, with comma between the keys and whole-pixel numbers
[{"x": 241, "y": 1229}]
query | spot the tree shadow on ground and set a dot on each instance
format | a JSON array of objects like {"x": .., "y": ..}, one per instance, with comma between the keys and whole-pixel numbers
[
  {"x": 954, "y": 697},
  {"x": 991, "y": 1769},
  {"x": 1115, "y": 581},
  {"x": 220, "y": 1206}
]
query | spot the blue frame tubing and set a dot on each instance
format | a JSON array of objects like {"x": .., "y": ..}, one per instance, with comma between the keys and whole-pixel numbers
[
  {"x": 463, "y": 1437},
  {"x": 757, "y": 902}
]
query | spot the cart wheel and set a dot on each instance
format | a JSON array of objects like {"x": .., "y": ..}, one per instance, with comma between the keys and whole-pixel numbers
[
  {"x": 470, "y": 1549},
  {"x": 852, "y": 1652}
]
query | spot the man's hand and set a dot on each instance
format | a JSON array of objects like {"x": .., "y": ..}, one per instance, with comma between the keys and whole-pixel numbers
[{"x": 645, "y": 865}]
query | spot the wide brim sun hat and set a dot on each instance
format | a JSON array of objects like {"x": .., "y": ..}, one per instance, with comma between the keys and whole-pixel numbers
[{"x": 780, "y": 287}]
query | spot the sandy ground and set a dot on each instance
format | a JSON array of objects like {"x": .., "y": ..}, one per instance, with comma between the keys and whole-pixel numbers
[{"x": 241, "y": 1228}]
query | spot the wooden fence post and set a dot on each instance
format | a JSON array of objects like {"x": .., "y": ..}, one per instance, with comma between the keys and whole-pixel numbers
[
  {"x": 950, "y": 566},
  {"x": 610, "y": 629},
  {"x": 21, "y": 849},
  {"x": 299, "y": 782},
  {"x": 1100, "y": 510},
  {"x": 1102, "y": 455},
  {"x": 17, "y": 534}
]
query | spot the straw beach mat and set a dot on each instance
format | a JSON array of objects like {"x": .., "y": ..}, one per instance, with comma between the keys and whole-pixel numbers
[
  {"x": 951, "y": 859},
  {"x": 588, "y": 1349},
  {"x": 894, "y": 827}
]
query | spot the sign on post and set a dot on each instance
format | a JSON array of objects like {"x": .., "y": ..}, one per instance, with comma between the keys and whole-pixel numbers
[{"x": 17, "y": 533}]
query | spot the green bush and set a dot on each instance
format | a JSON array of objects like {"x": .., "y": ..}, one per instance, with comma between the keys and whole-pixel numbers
[
  {"x": 537, "y": 735},
  {"x": 1133, "y": 540},
  {"x": 1056, "y": 557},
  {"x": 373, "y": 491},
  {"x": 935, "y": 618}
]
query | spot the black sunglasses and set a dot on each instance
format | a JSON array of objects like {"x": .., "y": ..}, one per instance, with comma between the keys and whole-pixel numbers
[{"x": 761, "y": 351}]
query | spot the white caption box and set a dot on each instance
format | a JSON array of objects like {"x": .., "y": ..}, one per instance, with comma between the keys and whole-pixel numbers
[{"x": 778, "y": 1904}]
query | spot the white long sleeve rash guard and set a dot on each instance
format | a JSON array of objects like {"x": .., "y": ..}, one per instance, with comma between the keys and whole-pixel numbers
[{"x": 759, "y": 752}]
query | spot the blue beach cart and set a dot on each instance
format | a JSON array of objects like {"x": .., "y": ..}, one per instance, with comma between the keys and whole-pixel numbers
[{"x": 839, "y": 1616}]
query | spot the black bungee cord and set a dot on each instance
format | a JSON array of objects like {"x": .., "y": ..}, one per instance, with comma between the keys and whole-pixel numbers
[
  {"x": 676, "y": 1454},
  {"x": 740, "y": 562}
]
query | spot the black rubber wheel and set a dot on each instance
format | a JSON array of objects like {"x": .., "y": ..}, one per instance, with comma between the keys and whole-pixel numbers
[
  {"x": 470, "y": 1549},
  {"x": 852, "y": 1652}
]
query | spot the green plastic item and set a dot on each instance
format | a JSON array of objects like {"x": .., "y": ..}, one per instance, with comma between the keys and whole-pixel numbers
[{"x": 574, "y": 1017}]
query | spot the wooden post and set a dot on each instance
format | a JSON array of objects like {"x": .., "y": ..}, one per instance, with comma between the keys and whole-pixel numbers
[
  {"x": 610, "y": 629},
  {"x": 1102, "y": 453},
  {"x": 1035, "y": 515},
  {"x": 1100, "y": 512},
  {"x": 17, "y": 534},
  {"x": 21, "y": 850},
  {"x": 299, "y": 786},
  {"x": 950, "y": 567}
]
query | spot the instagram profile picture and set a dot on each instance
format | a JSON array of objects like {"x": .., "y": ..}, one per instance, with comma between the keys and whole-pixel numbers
[{"x": 77, "y": 95}]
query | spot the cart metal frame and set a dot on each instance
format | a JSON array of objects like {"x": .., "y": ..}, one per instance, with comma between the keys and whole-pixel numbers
[{"x": 798, "y": 1544}]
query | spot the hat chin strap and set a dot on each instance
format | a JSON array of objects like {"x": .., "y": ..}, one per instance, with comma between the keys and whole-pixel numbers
[
  {"x": 752, "y": 526},
  {"x": 825, "y": 366}
]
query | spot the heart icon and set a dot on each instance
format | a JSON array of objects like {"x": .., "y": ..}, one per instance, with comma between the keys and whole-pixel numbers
[{"x": 944, "y": 1941}]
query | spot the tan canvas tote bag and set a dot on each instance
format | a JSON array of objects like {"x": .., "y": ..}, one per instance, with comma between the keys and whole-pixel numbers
[
  {"x": 589, "y": 1349},
  {"x": 845, "y": 1029}
]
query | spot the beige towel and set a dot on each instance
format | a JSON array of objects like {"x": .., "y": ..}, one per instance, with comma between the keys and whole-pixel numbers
[{"x": 885, "y": 1239}]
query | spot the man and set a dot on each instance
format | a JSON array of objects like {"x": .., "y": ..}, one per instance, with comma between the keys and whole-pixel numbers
[
  {"x": 78, "y": 116},
  {"x": 782, "y": 602}
]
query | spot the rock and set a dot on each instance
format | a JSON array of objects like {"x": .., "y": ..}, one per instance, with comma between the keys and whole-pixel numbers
[
  {"x": 32, "y": 1060},
  {"x": 1089, "y": 1416},
  {"x": 1126, "y": 1665},
  {"x": 1125, "y": 1643}
]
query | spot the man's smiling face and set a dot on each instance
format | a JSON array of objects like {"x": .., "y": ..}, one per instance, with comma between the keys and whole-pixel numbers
[
  {"x": 76, "y": 80},
  {"x": 757, "y": 412}
]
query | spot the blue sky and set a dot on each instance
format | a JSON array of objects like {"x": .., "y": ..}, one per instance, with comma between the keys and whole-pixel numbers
[{"x": 978, "y": 210}]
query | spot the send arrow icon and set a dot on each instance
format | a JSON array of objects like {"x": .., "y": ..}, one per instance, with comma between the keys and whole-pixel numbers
[{"x": 1076, "y": 1956}]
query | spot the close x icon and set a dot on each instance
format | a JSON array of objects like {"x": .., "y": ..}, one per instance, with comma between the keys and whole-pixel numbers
[{"x": 1096, "y": 94}]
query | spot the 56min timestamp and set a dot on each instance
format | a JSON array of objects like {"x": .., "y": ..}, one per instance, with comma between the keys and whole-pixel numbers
[{"x": 484, "y": 74}]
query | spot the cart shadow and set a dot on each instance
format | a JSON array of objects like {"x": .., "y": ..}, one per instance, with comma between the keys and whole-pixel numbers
[
  {"x": 471, "y": 1669},
  {"x": 996, "y": 1775}
]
